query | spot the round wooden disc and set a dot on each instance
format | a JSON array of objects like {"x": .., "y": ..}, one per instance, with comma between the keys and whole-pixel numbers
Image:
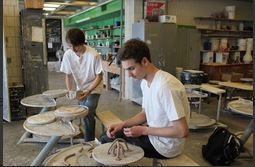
[
  {"x": 198, "y": 121},
  {"x": 69, "y": 111},
  {"x": 43, "y": 118},
  {"x": 55, "y": 93},
  {"x": 56, "y": 128},
  {"x": 38, "y": 100},
  {"x": 100, "y": 155},
  {"x": 57, "y": 159},
  {"x": 241, "y": 106}
]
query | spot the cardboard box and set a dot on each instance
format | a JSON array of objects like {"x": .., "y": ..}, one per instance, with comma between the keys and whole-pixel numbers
[
  {"x": 226, "y": 77},
  {"x": 33, "y": 4},
  {"x": 236, "y": 77}
]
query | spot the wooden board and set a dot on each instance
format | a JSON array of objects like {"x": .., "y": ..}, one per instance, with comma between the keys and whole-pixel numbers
[
  {"x": 55, "y": 93},
  {"x": 237, "y": 85},
  {"x": 100, "y": 155},
  {"x": 38, "y": 100},
  {"x": 108, "y": 118}
]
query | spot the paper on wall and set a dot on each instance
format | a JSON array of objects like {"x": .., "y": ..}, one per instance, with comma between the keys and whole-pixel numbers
[{"x": 37, "y": 34}]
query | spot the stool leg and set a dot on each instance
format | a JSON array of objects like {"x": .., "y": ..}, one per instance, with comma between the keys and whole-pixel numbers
[
  {"x": 45, "y": 151},
  {"x": 218, "y": 109},
  {"x": 200, "y": 102},
  {"x": 156, "y": 162}
]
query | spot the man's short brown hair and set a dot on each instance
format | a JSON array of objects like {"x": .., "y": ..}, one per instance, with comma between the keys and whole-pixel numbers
[
  {"x": 75, "y": 36},
  {"x": 134, "y": 49}
]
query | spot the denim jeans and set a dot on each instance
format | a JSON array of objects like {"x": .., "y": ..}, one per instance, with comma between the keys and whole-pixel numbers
[
  {"x": 89, "y": 121},
  {"x": 141, "y": 141}
]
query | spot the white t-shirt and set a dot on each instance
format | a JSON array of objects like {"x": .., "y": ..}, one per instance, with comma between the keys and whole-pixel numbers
[
  {"x": 163, "y": 102},
  {"x": 84, "y": 69}
]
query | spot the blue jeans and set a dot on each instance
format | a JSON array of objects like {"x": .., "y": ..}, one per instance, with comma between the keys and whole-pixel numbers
[{"x": 90, "y": 123}]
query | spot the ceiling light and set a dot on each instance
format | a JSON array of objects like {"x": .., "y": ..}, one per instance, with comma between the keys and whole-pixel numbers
[
  {"x": 49, "y": 9},
  {"x": 50, "y": 5}
]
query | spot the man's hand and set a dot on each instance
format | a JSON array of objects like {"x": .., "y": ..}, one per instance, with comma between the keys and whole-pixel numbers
[
  {"x": 81, "y": 95},
  {"x": 136, "y": 131},
  {"x": 111, "y": 131}
]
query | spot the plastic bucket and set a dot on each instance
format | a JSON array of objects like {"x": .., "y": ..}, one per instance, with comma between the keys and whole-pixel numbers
[{"x": 230, "y": 11}]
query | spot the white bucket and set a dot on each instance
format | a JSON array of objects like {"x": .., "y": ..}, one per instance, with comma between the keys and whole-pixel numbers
[
  {"x": 223, "y": 43},
  {"x": 178, "y": 71},
  {"x": 249, "y": 44},
  {"x": 215, "y": 44},
  {"x": 207, "y": 57},
  {"x": 230, "y": 11},
  {"x": 222, "y": 57},
  {"x": 241, "y": 44}
]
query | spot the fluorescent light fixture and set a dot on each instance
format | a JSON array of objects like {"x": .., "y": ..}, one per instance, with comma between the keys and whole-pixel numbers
[
  {"x": 47, "y": 5},
  {"x": 49, "y": 9},
  {"x": 85, "y": 19}
]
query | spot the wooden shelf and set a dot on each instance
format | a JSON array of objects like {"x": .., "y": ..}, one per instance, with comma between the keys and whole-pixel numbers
[
  {"x": 215, "y": 71},
  {"x": 221, "y": 30},
  {"x": 224, "y": 65},
  {"x": 220, "y": 51},
  {"x": 221, "y": 19}
]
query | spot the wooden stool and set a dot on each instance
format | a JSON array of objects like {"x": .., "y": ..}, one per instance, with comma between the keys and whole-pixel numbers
[{"x": 107, "y": 118}]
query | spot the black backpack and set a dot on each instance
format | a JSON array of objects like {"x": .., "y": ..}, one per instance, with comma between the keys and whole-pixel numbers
[{"x": 222, "y": 147}]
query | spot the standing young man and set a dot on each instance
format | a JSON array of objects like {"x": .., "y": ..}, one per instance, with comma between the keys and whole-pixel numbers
[
  {"x": 165, "y": 107},
  {"x": 82, "y": 63}
]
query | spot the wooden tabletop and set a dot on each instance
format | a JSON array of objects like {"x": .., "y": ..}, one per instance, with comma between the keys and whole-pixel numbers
[{"x": 237, "y": 85}]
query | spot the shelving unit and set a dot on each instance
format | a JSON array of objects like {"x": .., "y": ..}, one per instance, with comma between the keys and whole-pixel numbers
[
  {"x": 53, "y": 38},
  {"x": 217, "y": 29}
]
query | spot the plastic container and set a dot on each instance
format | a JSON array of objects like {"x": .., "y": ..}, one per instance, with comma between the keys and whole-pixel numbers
[{"x": 230, "y": 11}]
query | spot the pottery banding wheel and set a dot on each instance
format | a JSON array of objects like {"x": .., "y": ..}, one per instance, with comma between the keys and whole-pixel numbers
[
  {"x": 55, "y": 93},
  {"x": 100, "y": 154},
  {"x": 241, "y": 106},
  {"x": 199, "y": 121},
  {"x": 43, "y": 118},
  {"x": 55, "y": 128},
  {"x": 71, "y": 112},
  {"x": 38, "y": 100},
  {"x": 83, "y": 159}
]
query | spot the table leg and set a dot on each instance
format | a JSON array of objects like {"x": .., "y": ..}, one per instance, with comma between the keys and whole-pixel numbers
[
  {"x": 200, "y": 102},
  {"x": 218, "y": 108},
  {"x": 24, "y": 137},
  {"x": 44, "y": 109},
  {"x": 248, "y": 131},
  {"x": 45, "y": 151}
]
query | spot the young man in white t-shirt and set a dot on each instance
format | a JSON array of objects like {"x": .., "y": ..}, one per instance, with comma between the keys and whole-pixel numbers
[
  {"x": 83, "y": 64},
  {"x": 165, "y": 107}
]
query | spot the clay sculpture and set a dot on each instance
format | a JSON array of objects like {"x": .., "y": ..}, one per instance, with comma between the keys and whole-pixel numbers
[{"x": 117, "y": 149}]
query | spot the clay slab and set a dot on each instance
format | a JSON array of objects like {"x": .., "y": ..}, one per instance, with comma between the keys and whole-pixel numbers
[{"x": 100, "y": 155}]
